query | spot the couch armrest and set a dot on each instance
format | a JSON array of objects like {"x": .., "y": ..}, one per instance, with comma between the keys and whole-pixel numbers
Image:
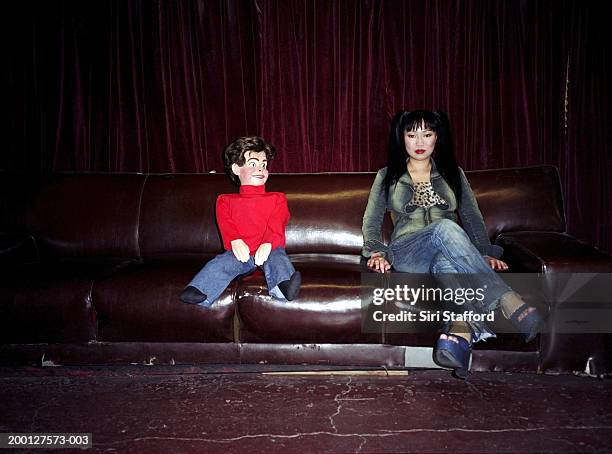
[
  {"x": 552, "y": 252},
  {"x": 549, "y": 252},
  {"x": 17, "y": 249}
]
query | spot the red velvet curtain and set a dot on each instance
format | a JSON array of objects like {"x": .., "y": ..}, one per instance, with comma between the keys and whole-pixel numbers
[{"x": 163, "y": 86}]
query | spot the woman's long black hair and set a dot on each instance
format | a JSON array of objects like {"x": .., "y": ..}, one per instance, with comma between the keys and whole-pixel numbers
[{"x": 443, "y": 155}]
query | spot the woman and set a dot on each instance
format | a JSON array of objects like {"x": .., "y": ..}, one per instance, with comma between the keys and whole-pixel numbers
[{"x": 426, "y": 192}]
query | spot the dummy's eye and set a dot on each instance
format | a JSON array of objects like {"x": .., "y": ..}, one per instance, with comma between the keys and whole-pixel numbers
[
  {"x": 264, "y": 165},
  {"x": 251, "y": 164}
]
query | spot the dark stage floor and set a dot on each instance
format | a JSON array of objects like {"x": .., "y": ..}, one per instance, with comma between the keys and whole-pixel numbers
[{"x": 191, "y": 409}]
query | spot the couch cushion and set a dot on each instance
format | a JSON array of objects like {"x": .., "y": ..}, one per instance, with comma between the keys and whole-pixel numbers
[
  {"x": 522, "y": 199},
  {"x": 328, "y": 309},
  {"x": 143, "y": 305},
  {"x": 51, "y": 302},
  {"x": 17, "y": 250},
  {"x": 88, "y": 216}
]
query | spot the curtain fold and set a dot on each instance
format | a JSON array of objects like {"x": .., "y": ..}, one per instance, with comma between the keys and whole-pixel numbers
[{"x": 163, "y": 86}]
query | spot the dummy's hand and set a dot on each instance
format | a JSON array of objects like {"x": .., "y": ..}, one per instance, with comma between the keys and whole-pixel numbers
[
  {"x": 378, "y": 263},
  {"x": 262, "y": 253},
  {"x": 240, "y": 250},
  {"x": 496, "y": 264}
]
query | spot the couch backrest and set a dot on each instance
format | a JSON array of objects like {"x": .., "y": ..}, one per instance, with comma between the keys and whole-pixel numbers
[
  {"x": 326, "y": 210},
  {"x": 520, "y": 199},
  {"x": 87, "y": 215},
  {"x": 178, "y": 213},
  {"x": 17, "y": 193},
  {"x": 178, "y": 216},
  {"x": 171, "y": 216}
]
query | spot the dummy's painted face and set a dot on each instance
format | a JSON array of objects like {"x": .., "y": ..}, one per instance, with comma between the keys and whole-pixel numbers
[
  {"x": 420, "y": 143},
  {"x": 254, "y": 172}
]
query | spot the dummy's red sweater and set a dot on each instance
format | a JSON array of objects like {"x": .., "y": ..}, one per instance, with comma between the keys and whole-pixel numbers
[{"x": 254, "y": 215}]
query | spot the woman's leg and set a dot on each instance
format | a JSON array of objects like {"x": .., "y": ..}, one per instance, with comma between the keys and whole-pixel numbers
[
  {"x": 478, "y": 330},
  {"x": 452, "y": 239},
  {"x": 466, "y": 268},
  {"x": 419, "y": 253},
  {"x": 446, "y": 243}
]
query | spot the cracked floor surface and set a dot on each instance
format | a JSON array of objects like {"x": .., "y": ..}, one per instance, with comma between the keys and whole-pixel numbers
[{"x": 159, "y": 411}]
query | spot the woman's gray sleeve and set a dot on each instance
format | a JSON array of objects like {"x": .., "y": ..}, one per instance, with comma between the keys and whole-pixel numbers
[
  {"x": 373, "y": 218},
  {"x": 473, "y": 222}
]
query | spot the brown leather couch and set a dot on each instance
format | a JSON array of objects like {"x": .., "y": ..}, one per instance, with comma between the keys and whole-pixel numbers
[{"x": 93, "y": 264}]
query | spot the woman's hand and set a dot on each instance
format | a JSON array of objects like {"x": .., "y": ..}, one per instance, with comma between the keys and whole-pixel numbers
[
  {"x": 378, "y": 263},
  {"x": 496, "y": 264}
]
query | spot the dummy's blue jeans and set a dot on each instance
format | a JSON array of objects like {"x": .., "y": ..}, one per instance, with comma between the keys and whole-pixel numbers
[
  {"x": 443, "y": 248},
  {"x": 224, "y": 268}
]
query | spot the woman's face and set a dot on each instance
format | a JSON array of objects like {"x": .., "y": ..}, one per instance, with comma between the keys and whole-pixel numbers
[{"x": 420, "y": 143}]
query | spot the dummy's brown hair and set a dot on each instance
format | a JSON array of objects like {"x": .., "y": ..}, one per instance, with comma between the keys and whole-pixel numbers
[{"x": 235, "y": 151}]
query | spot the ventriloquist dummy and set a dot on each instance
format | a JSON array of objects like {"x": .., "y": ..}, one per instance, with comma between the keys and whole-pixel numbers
[{"x": 252, "y": 225}]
